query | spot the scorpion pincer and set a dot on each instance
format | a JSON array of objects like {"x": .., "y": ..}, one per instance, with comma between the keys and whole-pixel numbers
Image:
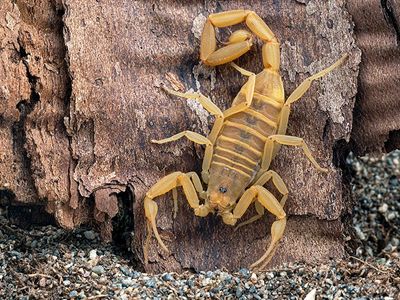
[{"x": 244, "y": 138}]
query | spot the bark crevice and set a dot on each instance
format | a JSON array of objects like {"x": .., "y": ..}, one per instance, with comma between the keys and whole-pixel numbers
[
  {"x": 390, "y": 16},
  {"x": 25, "y": 107}
]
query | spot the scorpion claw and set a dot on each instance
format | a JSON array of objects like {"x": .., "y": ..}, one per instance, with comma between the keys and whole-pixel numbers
[{"x": 201, "y": 211}]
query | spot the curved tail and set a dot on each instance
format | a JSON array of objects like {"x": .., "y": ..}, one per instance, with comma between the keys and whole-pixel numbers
[{"x": 240, "y": 41}]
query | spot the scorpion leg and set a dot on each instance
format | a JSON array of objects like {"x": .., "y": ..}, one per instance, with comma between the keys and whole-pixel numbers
[
  {"x": 240, "y": 41},
  {"x": 199, "y": 139},
  {"x": 268, "y": 201},
  {"x": 305, "y": 85},
  {"x": 288, "y": 141},
  {"x": 164, "y": 185},
  {"x": 260, "y": 212},
  {"x": 298, "y": 93},
  {"x": 262, "y": 180},
  {"x": 219, "y": 121},
  {"x": 197, "y": 185},
  {"x": 247, "y": 90},
  {"x": 278, "y": 183},
  {"x": 208, "y": 105}
]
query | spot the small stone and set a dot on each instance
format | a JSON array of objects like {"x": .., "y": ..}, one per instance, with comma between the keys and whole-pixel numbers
[
  {"x": 66, "y": 282},
  {"x": 253, "y": 277},
  {"x": 381, "y": 261},
  {"x": 151, "y": 283},
  {"x": 42, "y": 282},
  {"x": 98, "y": 270},
  {"x": 190, "y": 283},
  {"x": 73, "y": 294},
  {"x": 359, "y": 233},
  {"x": 244, "y": 272},
  {"x": 239, "y": 292},
  {"x": 383, "y": 208},
  {"x": 125, "y": 271},
  {"x": 270, "y": 275},
  {"x": 167, "y": 277},
  {"x": 228, "y": 278},
  {"x": 252, "y": 289},
  {"x": 67, "y": 266},
  {"x": 126, "y": 282},
  {"x": 90, "y": 235},
  {"x": 93, "y": 254},
  {"x": 15, "y": 254},
  {"x": 206, "y": 281}
]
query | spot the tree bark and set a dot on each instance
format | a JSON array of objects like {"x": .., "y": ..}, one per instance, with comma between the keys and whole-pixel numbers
[
  {"x": 78, "y": 140},
  {"x": 376, "y": 125}
]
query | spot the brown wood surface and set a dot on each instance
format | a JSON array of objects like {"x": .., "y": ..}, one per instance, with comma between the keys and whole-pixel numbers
[
  {"x": 85, "y": 139},
  {"x": 376, "y": 124},
  {"x": 118, "y": 57},
  {"x": 35, "y": 158}
]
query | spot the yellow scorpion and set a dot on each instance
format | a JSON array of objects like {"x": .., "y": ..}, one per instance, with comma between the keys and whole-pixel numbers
[{"x": 244, "y": 138}]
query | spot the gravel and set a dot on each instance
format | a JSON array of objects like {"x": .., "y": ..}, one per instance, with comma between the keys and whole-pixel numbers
[
  {"x": 376, "y": 185},
  {"x": 51, "y": 263}
]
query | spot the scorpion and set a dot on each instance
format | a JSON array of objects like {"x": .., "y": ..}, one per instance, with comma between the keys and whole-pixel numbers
[{"x": 244, "y": 138}]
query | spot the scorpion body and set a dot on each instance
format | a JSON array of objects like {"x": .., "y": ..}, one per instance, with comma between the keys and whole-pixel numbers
[{"x": 244, "y": 139}]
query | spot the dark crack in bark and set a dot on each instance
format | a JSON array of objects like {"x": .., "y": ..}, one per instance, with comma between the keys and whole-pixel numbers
[
  {"x": 25, "y": 107},
  {"x": 390, "y": 17}
]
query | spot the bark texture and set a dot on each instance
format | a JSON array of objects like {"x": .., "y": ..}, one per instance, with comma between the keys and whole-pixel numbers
[
  {"x": 120, "y": 54},
  {"x": 75, "y": 135},
  {"x": 376, "y": 125},
  {"x": 36, "y": 157}
]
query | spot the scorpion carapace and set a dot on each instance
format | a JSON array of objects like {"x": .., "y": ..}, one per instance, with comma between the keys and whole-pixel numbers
[{"x": 244, "y": 138}]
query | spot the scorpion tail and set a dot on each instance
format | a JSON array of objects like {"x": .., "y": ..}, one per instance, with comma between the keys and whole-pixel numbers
[{"x": 240, "y": 41}]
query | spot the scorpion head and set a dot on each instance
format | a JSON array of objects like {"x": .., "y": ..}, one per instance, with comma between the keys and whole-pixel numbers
[{"x": 222, "y": 195}]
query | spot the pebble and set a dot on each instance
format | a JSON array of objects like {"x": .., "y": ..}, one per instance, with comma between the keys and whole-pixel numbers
[
  {"x": 151, "y": 283},
  {"x": 125, "y": 271},
  {"x": 244, "y": 272},
  {"x": 136, "y": 274},
  {"x": 93, "y": 254},
  {"x": 66, "y": 282},
  {"x": 167, "y": 277},
  {"x": 98, "y": 270},
  {"x": 90, "y": 235},
  {"x": 73, "y": 294},
  {"x": 127, "y": 282},
  {"x": 42, "y": 282},
  {"x": 15, "y": 254},
  {"x": 239, "y": 292},
  {"x": 270, "y": 275},
  {"x": 383, "y": 208}
]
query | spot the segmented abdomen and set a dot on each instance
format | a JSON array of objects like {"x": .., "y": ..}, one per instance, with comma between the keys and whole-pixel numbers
[{"x": 240, "y": 144}]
